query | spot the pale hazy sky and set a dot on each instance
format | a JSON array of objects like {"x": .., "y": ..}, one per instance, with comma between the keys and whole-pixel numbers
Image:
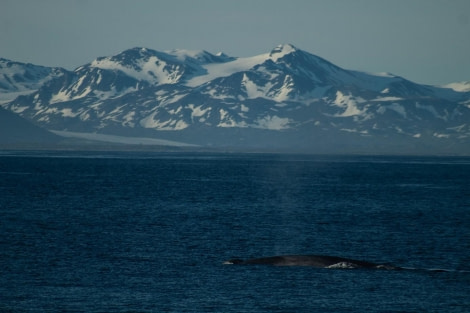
[{"x": 426, "y": 41}]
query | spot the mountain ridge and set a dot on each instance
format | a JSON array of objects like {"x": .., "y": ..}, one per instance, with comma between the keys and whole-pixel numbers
[
  {"x": 285, "y": 99},
  {"x": 23, "y": 78}
]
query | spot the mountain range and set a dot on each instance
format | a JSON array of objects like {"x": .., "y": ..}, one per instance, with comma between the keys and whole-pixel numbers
[{"x": 284, "y": 100}]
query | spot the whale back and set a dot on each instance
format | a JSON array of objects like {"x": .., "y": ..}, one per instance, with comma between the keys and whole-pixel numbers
[{"x": 322, "y": 261}]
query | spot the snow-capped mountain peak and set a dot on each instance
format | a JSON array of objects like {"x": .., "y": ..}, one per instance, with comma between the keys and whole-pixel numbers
[
  {"x": 23, "y": 78},
  {"x": 281, "y": 50},
  {"x": 144, "y": 64},
  {"x": 198, "y": 56}
]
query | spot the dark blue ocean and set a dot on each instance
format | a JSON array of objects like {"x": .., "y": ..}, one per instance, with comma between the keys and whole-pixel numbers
[{"x": 149, "y": 232}]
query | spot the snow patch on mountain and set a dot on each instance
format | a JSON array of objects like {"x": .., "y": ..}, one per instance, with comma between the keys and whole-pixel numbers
[
  {"x": 198, "y": 112},
  {"x": 460, "y": 86},
  {"x": 226, "y": 69},
  {"x": 254, "y": 91},
  {"x": 152, "y": 70},
  {"x": 227, "y": 121},
  {"x": 65, "y": 95},
  {"x": 431, "y": 109},
  {"x": 398, "y": 108},
  {"x": 354, "y": 130},
  {"x": 272, "y": 123},
  {"x": 349, "y": 103},
  {"x": 283, "y": 94},
  {"x": 112, "y": 93},
  {"x": 379, "y": 99},
  {"x": 152, "y": 121},
  {"x": 164, "y": 97}
]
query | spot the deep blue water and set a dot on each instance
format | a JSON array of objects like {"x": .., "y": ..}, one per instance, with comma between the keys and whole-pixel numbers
[{"x": 143, "y": 232}]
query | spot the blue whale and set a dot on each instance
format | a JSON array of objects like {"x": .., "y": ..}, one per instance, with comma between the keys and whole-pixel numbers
[{"x": 321, "y": 261}]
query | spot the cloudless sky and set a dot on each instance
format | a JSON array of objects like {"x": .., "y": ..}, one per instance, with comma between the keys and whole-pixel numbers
[{"x": 426, "y": 41}]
